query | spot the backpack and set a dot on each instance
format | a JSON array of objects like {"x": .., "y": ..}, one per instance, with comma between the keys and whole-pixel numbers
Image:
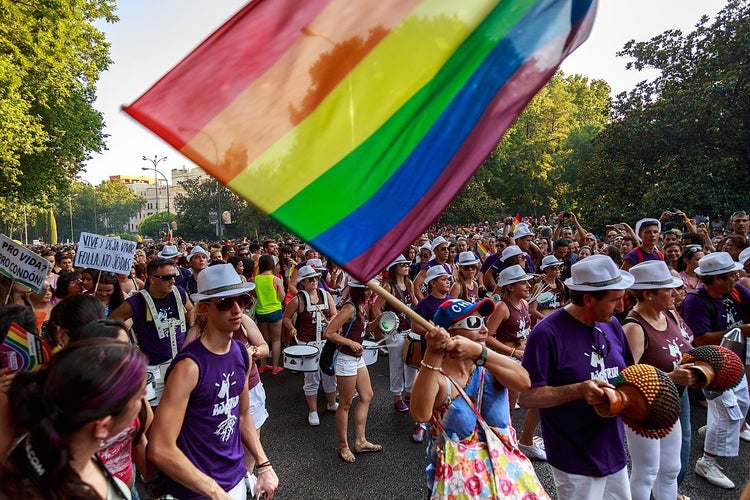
[
  {"x": 734, "y": 295},
  {"x": 639, "y": 251}
]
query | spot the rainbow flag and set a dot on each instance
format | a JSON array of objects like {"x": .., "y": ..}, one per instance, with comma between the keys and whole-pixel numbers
[
  {"x": 355, "y": 123},
  {"x": 482, "y": 250},
  {"x": 22, "y": 350}
]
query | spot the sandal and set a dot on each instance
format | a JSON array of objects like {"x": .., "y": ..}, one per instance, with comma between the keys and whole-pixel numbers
[
  {"x": 346, "y": 454},
  {"x": 367, "y": 446}
]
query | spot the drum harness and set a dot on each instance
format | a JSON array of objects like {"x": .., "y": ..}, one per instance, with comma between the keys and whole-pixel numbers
[{"x": 169, "y": 326}]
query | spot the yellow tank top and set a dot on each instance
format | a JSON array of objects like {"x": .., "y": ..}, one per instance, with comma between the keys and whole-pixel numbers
[{"x": 268, "y": 301}]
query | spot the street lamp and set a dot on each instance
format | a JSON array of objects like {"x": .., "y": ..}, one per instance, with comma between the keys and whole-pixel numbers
[
  {"x": 167, "y": 183},
  {"x": 155, "y": 161}
]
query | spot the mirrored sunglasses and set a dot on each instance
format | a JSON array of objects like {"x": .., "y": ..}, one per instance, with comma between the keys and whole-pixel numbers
[
  {"x": 227, "y": 303},
  {"x": 472, "y": 323}
]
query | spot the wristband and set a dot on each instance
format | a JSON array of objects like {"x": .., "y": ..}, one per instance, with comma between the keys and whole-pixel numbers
[
  {"x": 512, "y": 351},
  {"x": 267, "y": 463}
]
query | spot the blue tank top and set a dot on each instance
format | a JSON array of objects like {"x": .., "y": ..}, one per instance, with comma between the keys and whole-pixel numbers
[{"x": 210, "y": 435}]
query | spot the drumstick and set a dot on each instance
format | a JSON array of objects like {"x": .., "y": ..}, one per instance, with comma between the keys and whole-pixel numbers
[{"x": 400, "y": 306}]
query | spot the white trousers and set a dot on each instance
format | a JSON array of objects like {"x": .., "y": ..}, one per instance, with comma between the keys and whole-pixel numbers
[
  {"x": 577, "y": 487},
  {"x": 656, "y": 463},
  {"x": 312, "y": 383},
  {"x": 401, "y": 375},
  {"x": 724, "y": 423}
]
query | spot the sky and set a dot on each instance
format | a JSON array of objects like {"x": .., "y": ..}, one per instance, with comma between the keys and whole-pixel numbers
[{"x": 151, "y": 37}]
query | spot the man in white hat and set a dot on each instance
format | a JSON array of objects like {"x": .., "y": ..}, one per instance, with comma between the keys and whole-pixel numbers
[
  {"x": 523, "y": 236},
  {"x": 571, "y": 355},
  {"x": 198, "y": 261},
  {"x": 510, "y": 256},
  {"x": 711, "y": 312},
  {"x": 204, "y": 417},
  {"x": 440, "y": 257},
  {"x": 161, "y": 316},
  {"x": 648, "y": 231}
]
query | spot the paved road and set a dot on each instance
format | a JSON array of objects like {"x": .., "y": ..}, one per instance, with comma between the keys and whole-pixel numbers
[{"x": 309, "y": 468}]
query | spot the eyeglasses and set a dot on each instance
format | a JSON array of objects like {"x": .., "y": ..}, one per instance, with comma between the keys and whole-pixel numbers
[
  {"x": 472, "y": 323},
  {"x": 227, "y": 303},
  {"x": 243, "y": 254},
  {"x": 442, "y": 249},
  {"x": 166, "y": 277},
  {"x": 312, "y": 280},
  {"x": 601, "y": 342}
]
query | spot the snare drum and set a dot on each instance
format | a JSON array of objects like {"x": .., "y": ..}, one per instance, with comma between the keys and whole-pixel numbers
[
  {"x": 302, "y": 358},
  {"x": 150, "y": 387},
  {"x": 388, "y": 322},
  {"x": 413, "y": 350},
  {"x": 370, "y": 356}
]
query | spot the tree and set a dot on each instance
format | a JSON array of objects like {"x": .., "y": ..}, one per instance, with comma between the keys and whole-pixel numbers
[
  {"x": 472, "y": 204},
  {"x": 202, "y": 197},
  {"x": 117, "y": 204},
  {"x": 528, "y": 168},
  {"x": 51, "y": 227},
  {"x": 51, "y": 56},
  {"x": 153, "y": 225},
  {"x": 683, "y": 138}
]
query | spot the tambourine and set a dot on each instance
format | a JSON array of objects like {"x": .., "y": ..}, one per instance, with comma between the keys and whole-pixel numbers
[
  {"x": 717, "y": 367},
  {"x": 388, "y": 322},
  {"x": 645, "y": 399}
]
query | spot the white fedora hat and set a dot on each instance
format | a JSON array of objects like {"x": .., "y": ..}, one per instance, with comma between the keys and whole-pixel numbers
[
  {"x": 744, "y": 255},
  {"x": 550, "y": 260},
  {"x": 512, "y": 274},
  {"x": 437, "y": 242},
  {"x": 168, "y": 252},
  {"x": 307, "y": 272},
  {"x": 511, "y": 251},
  {"x": 399, "y": 260},
  {"x": 220, "y": 281},
  {"x": 522, "y": 230},
  {"x": 647, "y": 222},
  {"x": 467, "y": 259},
  {"x": 716, "y": 263},
  {"x": 198, "y": 250},
  {"x": 598, "y": 272},
  {"x": 653, "y": 274},
  {"x": 435, "y": 272}
]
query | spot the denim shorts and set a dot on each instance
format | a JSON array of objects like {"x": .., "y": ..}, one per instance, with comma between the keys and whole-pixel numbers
[{"x": 271, "y": 317}]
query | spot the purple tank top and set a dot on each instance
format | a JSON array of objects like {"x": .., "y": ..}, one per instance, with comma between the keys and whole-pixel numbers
[
  {"x": 518, "y": 325},
  {"x": 210, "y": 435},
  {"x": 158, "y": 350}
]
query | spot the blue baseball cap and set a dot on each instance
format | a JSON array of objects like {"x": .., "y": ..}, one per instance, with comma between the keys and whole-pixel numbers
[{"x": 454, "y": 310}]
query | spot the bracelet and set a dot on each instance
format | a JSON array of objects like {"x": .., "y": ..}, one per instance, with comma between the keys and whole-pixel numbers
[
  {"x": 430, "y": 367},
  {"x": 264, "y": 470},
  {"x": 267, "y": 463},
  {"x": 512, "y": 351}
]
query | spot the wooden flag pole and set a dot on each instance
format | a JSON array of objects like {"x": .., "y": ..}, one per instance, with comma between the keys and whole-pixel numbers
[{"x": 400, "y": 306}]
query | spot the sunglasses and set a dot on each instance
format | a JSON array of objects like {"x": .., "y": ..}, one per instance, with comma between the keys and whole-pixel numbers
[
  {"x": 601, "y": 343},
  {"x": 472, "y": 323},
  {"x": 227, "y": 303},
  {"x": 469, "y": 268},
  {"x": 312, "y": 280},
  {"x": 166, "y": 277},
  {"x": 404, "y": 264}
]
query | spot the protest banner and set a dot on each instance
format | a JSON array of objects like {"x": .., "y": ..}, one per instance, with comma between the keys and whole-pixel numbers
[
  {"x": 22, "y": 265},
  {"x": 114, "y": 255}
]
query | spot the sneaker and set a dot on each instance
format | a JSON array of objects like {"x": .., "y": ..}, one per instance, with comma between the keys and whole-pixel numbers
[
  {"x": 418, "y": 434},
  {"x": 264, "y": 369},
  {"x": 277, "y": 370},
  {"x": 333, "y": 406},
  {"x": 533, "y": 451},
  {"x": 313, "y": 419},
  {"x": 711, "y": 472},
  {"x": 702, "y": 432},
  {"x": 400, "y": 406},
  {"x": 745, "y": 434}
]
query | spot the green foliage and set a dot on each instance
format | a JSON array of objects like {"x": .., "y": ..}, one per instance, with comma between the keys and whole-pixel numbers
[
  {"x": 683, "y": 139},
  {"x": 116, "y": 205},
  {"x": 50, "y": 58},
  {"x": 152, "y": 226},
  {"x": 129, "y": 237},
  {"x": 473, "y": 203}
]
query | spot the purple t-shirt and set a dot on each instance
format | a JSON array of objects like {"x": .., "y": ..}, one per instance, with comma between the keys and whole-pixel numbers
[
  {"x": 429, "y": 305},
  {"x": 560, "y": 351},
  {"x": 634, "y": 255},
  {"x": 728, "y": 313},
  {"x": 158, "y": 350},
  {"x": 210, "y": 435}
]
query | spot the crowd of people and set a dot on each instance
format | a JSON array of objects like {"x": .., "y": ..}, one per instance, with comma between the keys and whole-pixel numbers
[{"x": 541, "y": 315}]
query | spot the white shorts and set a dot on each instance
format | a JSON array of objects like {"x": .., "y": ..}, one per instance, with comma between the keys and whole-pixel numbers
[
  {"x": 258, "y": 410},
  {"x": 347, "y": 366},
  {"x": 158, "y": 372}
]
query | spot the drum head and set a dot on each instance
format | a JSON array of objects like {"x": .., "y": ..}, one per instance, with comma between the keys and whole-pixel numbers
[
  {"x": 388, "y": 322},
  {"x": 545, "y": 297},
  {"x": 301, "y": 351}
]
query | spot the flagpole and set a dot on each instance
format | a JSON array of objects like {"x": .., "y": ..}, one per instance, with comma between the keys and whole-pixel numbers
[{"x": 400, "y": 306}]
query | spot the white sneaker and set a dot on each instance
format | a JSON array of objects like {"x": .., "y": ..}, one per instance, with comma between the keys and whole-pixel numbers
[
  {"x": 333, "y": 407},
  {"x": 745, "y": 434},
  {"x": 313, "y": 419},
  {"x": 533, "y": 451},
  {"x": 711, "y": 471}
]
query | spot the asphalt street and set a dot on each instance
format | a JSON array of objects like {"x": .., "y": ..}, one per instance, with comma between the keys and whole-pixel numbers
[{"x": 308, "y": 466}]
